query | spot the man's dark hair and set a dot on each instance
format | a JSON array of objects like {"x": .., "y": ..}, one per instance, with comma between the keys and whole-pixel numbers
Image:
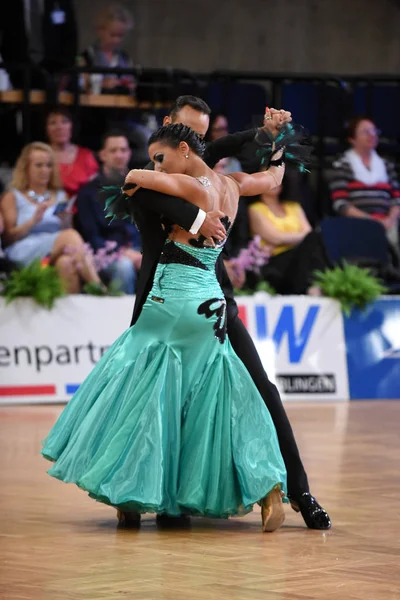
[
  {"x": 192, "y": 101},
  {"x": 112, "y": 133}
]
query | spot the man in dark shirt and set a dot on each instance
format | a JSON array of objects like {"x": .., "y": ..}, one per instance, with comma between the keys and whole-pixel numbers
[{"x": 90, "y": 219}]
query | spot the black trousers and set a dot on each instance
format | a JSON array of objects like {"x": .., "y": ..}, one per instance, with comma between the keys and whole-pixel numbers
[{"x": 244, "y": 347}]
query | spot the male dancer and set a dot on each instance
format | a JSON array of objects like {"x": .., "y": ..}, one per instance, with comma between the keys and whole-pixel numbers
[{"x": 151, "y": 210}]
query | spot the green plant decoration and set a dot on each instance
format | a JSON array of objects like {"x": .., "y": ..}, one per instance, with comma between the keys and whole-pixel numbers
[
  {"x": 352, "y": 286},
  {"x": 97, "y": 289},
  {"x": 262, "y": 286},
  {"x": 38, "y": 281}
]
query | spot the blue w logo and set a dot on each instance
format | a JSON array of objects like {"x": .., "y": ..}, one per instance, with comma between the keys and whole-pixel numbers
[{"x": 297, "y": 341}]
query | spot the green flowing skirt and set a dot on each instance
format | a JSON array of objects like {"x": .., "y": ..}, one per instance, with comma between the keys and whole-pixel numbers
[{"x": 169, "y": 421}]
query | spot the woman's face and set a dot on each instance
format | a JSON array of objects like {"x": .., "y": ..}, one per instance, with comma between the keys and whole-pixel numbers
[
  {"x": 366, "y": 136},
  {"x": 59, "y": 129},
  {"x": 167, "y": 159},
  {"x": 40, "y": 168},
  {"x": 219, "y": 127},
  {"x": 112, "y": 35}
]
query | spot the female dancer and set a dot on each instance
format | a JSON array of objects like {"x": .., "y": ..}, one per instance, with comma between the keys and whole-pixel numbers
[{"x": 169, "y": 420}]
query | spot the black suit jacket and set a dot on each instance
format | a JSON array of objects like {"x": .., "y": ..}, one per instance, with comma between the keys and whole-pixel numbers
[
  {"x": 151, "y": 209},
  {"x": 60, "y": 40}
]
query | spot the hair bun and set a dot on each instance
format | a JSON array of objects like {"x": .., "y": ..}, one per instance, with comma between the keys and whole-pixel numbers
[{"x": 176, "y": 133}]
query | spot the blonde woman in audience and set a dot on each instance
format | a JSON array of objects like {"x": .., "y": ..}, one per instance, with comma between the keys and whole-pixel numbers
[
  {"x": 37, "y": 220},
  {"x": 113, "y": 23},
  {"x": 296, "y": 250}
]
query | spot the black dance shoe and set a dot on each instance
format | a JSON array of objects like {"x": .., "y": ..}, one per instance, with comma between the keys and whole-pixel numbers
[
  {"x": 128, "y": 520},
  {"x": 168, "y": 522},
  {"x": 313, "y": 514}
]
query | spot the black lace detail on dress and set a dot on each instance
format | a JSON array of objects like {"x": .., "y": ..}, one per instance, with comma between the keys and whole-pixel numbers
[
  {"x": 220, "y": 311},
  {"x": 173, "y": 254},
  {"x": 200, "y": 241}
]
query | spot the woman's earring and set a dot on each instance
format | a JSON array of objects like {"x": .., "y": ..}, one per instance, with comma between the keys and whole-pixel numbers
[{"x": 187, "y": 156}]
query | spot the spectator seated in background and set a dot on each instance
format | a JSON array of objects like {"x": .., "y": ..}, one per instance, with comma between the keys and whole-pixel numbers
[
  {"x": 37, "y": 220},
  {"x": 365, "y": 185},
  {"x": 90, "y": 218},
  {"x": 39, "y": 33},
  {"x": 77, "y": 164},
  {"x": 296, "y": 250},
  {"x": 218, "y": 129},
  {"x": 6, "y": 265},
  {"x": 112, "y": 25}
]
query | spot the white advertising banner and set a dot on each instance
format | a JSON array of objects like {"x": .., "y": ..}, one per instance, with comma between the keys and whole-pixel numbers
[{"x": 45, "y": 355}]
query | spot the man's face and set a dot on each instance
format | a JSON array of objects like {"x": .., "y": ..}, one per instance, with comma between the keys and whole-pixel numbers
[
  {"x": 115, "y": 154},
  {"x": 192, "y": 118}
]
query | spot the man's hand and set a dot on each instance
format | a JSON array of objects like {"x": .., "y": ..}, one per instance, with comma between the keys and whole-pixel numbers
[
  {"x": 212, "y": 226},
  {"x": 275, "y": 119}
]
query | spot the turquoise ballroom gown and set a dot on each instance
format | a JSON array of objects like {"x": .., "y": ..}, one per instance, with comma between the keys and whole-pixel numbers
[{"x": 169, "y": 420}]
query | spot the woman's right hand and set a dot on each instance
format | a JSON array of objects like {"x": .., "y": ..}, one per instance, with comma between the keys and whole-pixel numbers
[{"x": 39, "y": 212}]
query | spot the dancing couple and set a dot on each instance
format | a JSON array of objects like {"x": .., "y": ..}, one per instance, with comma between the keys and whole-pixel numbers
[{"x": 170, "y": 420}]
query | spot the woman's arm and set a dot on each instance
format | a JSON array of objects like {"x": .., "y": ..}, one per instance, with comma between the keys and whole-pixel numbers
[
  {"x": 261, "y": 226},
  {"x": 259, "y": 183},
  {"x": 305, "y": 225},
  {"x": 182, "y": 186},
  {"x": 352, "y": 211},
  {"x": 13, "y": 232}
]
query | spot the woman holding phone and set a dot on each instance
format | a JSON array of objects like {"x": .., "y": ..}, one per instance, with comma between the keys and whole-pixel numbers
[{"x": 37, "y": 219}]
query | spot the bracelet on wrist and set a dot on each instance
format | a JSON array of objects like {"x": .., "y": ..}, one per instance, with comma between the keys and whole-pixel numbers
[{"x": 278, "y": 162}]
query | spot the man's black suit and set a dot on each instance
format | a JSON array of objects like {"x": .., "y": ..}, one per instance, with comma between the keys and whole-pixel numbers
[
  {"x": 150, "y": 210},
  {"x": 59, "y": 38}
]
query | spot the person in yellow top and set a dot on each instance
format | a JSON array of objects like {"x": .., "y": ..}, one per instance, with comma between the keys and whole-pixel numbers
[{"x": 296, "y": 250}]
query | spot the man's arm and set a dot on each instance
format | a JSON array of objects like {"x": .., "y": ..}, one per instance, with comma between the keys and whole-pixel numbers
[
  {"x": 229, "y": 145},
  {"x": 178, "y": 211}
]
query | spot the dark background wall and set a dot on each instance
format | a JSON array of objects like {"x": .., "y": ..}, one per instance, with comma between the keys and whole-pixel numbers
[{"x": 335, "y": 36}]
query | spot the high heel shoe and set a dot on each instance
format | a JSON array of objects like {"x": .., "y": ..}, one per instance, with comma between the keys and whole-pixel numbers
[
  {"x": 272, "y": 513},
  {"x": 129, "y": 520}
]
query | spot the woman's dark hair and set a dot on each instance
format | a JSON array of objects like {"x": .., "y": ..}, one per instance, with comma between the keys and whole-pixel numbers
[
  {"x": 173, "y": 135},
  {"x": 192, "y": 101},
  {"x": 60, "y": 110},
  {"x": 351, "y": 126}
]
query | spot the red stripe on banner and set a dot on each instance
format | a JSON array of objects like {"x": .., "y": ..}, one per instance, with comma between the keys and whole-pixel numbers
[
  {"x": 27, "y": 390},
  {"x": 243, "y": 315}
]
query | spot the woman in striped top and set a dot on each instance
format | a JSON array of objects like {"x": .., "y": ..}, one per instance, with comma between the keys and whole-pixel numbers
[{"x": 365, "y": 185}]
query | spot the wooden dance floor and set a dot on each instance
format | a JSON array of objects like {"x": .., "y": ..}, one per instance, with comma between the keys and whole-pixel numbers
[{"x": 57, "y": 544}]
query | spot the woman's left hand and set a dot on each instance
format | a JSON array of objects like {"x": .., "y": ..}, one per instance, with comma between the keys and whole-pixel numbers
[{"x": 132, "y": 177}]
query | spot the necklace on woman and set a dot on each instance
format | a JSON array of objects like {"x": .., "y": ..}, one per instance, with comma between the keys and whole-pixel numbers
[{"x": 38, "y": 198}]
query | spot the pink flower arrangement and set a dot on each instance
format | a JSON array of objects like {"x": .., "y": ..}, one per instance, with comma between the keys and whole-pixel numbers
[
  {"x": 251, "y": 258},
  {"x": 103, "y": 258}
]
